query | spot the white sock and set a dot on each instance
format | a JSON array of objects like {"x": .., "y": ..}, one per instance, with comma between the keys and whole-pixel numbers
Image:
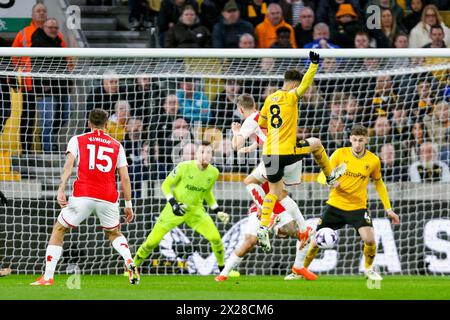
[
  {"x": 257, "y": 193},
  {"x": 300, "y": 256},
  {"x": 291, "y": 206},
  {"x": 121, "y": 246},
  {"x": 232, "y": 262},
  {"x": 52, "y": 256}
]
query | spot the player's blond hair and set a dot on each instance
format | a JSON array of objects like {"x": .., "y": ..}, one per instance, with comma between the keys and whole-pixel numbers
[{"x": 245, "y": 101}]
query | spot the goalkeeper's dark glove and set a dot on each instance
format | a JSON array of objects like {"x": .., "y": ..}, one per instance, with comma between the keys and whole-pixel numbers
[
  {"x": 3, "y": 199},
  {"x": 177, "y": 208},
  {"x": 314, "y": 57}
]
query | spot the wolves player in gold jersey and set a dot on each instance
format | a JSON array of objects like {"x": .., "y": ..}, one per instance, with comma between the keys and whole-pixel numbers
[
  {"x": 281, "y": 149},
  {"x": 347, "y": 203}
]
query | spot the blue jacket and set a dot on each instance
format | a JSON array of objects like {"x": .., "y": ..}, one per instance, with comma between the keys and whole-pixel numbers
[{"x": 195, "y": 109}]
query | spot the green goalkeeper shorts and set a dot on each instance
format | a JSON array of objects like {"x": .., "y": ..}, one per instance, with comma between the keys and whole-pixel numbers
[{"x": 194, "y": 217}]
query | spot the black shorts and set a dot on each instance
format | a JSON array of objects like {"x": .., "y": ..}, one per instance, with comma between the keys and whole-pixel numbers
[
  {"x": 335, "y": 218},
  {"x": 275, "y": 165}
]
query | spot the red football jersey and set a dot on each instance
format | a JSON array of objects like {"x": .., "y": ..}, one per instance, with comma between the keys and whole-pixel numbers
[{"x": 98, "y": 156}]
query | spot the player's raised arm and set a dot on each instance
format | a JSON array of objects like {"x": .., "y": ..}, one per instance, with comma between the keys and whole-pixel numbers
[
  {"x": 65, "y": 175},
  {"x": 383, "y": 194},
  {"x": 309, "y": 75},
  {"x": 238, "y": 140}
]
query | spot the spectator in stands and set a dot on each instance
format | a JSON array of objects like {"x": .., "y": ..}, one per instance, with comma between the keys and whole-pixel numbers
[
  {"x": 160, "y": 122},
  {"x": 346, "y": 26},
  {"x": 382, "y": 134},
  {"x": 5, "y": 96},
  {"x": 304, "y": 28},
  {"x": 385, "y": 36},
  {"x": 326, "y": 10},
  {"x": 362, "y": 40},
  {"x": 194, "y": 106},
  {"x": 424, "y": 100},
  {"x": 266, "y": 30},
  {"x": 188, "y": 33},
  {"x": 169, "y": 13},
  {"x": 210, "y": 12},
  {"x": 418, "y": 135},
  {"x": 106, "y": 94},
  {"x": 142, "y": 170},
  {"x": 413, "y": 18},
  {"x": 396, "y": 10},
  {"x": 133, "y": 139},
  {"x": 321, "y": 37},
  {"x": 254, "y": 11},
  {"x": 117, "y": 121},
  {"x": 313, "y": 112},
  {"x": 400, "y": 123},
  {"x": 228, "y": 30},
  {"x": 420, "y": 34},
  {"x": 401, "y": 41},
  {"x": 224, "y": 110},
  {"x": 143, "y": 95},
  {"x": 292, "y": 10},
  {"x": 429, "y": 168},
  {"x": 52, "y": 95},
  {"x": 438, "y": 124},
  {"x": 256, "y": 87},
  {"x": 334, "y": 137},
  {"x": 437, "y": 37},
  {"x": 352, "y": 114},
  {"x": 283, "y": 39},
  {"x": 247, "y": 41},
  {"x": 384, "y": 98},
  {"x": 138, "y": 15},
  {"x": 23, "y": 39},
  {"x": 392, "y": 168}
]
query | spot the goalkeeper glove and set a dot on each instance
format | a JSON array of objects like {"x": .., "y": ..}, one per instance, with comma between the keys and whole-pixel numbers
[
  {"x": 223, "y": 216},
  {"x": 314, "y": 57},
  {"x": 177, "y": 208},
  {"x": 3, "y": 199}
]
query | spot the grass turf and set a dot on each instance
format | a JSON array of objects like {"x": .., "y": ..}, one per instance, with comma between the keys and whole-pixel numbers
[{"x": 242, "y": 288}]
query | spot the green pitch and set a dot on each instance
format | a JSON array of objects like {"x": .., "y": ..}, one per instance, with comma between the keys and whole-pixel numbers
[{"x": 244, "y": 287}]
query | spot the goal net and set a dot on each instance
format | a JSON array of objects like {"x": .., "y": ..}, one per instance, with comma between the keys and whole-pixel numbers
[{"x": 162, "y": 102}]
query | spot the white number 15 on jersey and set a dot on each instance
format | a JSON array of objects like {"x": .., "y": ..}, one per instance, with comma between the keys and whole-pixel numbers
[{"x": 93, "y": 156}]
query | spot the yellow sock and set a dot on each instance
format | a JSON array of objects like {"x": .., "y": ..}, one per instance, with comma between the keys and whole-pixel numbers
[
  {"x": 321, "y": 158},
  {"x": 369, "y": 254},
  {"x": 312, "y": 252},
  {"x": 267, "y": 209}
]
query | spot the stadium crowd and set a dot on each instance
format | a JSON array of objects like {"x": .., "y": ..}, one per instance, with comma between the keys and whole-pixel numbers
[{"x": 157, "y": 121}]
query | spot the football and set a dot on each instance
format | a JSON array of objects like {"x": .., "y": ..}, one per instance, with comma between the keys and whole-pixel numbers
[{"x": 326, "y": 238}]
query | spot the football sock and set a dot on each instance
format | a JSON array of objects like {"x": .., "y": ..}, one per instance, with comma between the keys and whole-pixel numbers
[
  {"x": 219, "y": 251},
  {"x": 369, "y": 254},
  {"x": 52, "y": 256},
  {"x": 233, "y": 261},
  {"x": 121, "y": 245},
  {"x": 321, "y": 158},
  {"x": 267, "y": 209},
  {"x": 291, "y": 206},
  {"x": 256, "y": 193},
  {"x": 312, "y": 252},
  {"x": 300, "y": 256}
]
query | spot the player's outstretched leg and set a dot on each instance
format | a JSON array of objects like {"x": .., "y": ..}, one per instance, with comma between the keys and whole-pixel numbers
[
  {"x": 52, "y": 255},
  {"x": 120, "y": 243},
  {"x": 299, "y": 271}
]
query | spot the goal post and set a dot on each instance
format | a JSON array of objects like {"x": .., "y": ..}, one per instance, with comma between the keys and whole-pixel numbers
[{"x": 163, "y": 101}]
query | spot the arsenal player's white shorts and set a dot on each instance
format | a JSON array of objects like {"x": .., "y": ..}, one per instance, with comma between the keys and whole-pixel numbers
[
  {"x": 79, "y": 209},
  {"x": 292, "y": 173},
  {"x": 253, "y": 223}
]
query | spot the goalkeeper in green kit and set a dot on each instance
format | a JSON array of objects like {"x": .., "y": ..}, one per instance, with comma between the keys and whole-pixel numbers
[{"x": 185, "y": 188}]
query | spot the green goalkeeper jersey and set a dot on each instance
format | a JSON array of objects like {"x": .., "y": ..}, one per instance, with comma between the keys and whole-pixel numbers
[{"x": 190, "y": 185}]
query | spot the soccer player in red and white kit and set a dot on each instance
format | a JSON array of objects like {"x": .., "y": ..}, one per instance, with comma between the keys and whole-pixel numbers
[{"x": 98, "y": 155}]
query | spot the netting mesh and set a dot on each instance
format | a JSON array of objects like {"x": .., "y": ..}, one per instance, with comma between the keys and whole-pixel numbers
[{"x": 159, "y": 107}]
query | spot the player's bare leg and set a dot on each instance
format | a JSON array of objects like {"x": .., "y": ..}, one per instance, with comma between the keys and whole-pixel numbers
[
  {"x": 237, "y": 256},
  {"x": 370, "y": 249},
  {"x": 5, "y": 272},
  {"x": 52, "y": 255},
  {"x": 120, "y": 243}
]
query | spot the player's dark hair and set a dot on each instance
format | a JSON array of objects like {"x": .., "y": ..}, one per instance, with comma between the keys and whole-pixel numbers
[
  {"x": 283, "y": 30},
  {"x": 293, "y": 75},
  {"x": 206, "y": 143},
  {"x": 245, "y": 101},
  {"x": 98, "y": 117},
  {"x": 359, "y": 130}
]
